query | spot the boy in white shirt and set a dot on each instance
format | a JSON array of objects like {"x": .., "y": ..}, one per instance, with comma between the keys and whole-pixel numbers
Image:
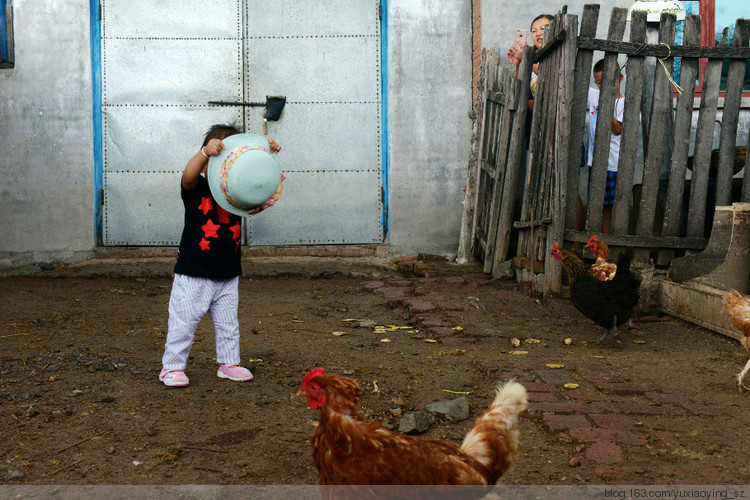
[{"x": 614, "y": 147}]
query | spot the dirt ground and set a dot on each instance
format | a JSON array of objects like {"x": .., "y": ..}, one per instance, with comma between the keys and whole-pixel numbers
[{"x": 80, "y": 402}]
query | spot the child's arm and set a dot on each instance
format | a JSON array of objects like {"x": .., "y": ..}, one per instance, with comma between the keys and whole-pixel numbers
[
  {"x": 616, "y": 126},
  {"x": 198, "y": 163}
]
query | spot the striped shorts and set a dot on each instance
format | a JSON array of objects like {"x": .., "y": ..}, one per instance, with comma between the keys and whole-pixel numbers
[{"x": 190, "y": 300}]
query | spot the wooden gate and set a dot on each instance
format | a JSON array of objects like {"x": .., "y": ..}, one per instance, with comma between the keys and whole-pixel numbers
[{"x": 671, "y": 210}]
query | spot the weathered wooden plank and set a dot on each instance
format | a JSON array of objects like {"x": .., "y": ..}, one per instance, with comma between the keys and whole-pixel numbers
[
  {"x": 660, "y": 116},
  {"x": 631, "y": 129},
  {"x": 552, "y": 75},
  {"x": 730, "y": 116},
  {"x": 653, "y": 50},
  {"x": 542, "y": 122},
  {"x": 603, "y": 134},
  {"x": 488, "y": 181},
  {"x": 673, "y": 207},
  {"x": 507, "y": 79},
  {"x": 589, "y": 21},
  {"x": 551, "y": 45},
  {"x": 643, "y": 241},
  {"x": 467, "y": 240},
  {"x": 746, "y": 176},
  {"x": 515, "y": 155},
  {"x": 533, "y": 163},
  {"x": 683, "y": 123},
  {"x": 566, "y": 89},
  {"x": 704, "y": 137}
]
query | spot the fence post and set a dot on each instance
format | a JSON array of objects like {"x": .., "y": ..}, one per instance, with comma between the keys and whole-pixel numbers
[
  {"x": 560, "y": 200},
  {"x": 631, "y": 129},
  {"x": 660, "y": 120},
  {"x": 510, "y": 92},
  {"x": 682, "y": 125},
  {"x": 515, "y": 154},
  {"x": 603, "y": 134},
  {"x": 704, "y": 138}
]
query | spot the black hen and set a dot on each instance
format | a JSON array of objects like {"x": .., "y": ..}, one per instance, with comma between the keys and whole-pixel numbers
[{"x": 607, "y": 303}]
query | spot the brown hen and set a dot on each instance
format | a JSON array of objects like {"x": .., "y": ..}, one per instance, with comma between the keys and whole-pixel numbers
[
  {"x": 348, "y": 451},
  {"x": 738, "y": 310}
]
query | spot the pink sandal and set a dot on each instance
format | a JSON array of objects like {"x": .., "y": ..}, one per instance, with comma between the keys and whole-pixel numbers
[
  {"x": 174, "y": 378},
  {"x": 234, "y": 372}
]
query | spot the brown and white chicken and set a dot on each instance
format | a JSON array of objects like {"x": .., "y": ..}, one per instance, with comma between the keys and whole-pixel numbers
[
  {"x": 602, "y": 269},
  {"x": 349, "y": 451},
  {"x": 738, "y": 310}
]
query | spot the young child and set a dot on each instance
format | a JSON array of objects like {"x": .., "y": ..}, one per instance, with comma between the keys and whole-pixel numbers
[
  {"x": 207, "y": 271},
  {"x": 614, "y": 147}
]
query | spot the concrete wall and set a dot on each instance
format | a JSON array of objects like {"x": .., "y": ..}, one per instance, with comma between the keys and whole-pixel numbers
[
  {"x": 429, "y": 94},
  {"x": 46, "y": 139},
  {"x": 46, "y": 160}
]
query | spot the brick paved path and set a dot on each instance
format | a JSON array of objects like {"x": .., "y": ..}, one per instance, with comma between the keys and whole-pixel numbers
[{"x": 621, "y": 428}]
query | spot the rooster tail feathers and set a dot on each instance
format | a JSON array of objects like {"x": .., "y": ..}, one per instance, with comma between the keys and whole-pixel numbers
[{"x": 493, "y": 438}]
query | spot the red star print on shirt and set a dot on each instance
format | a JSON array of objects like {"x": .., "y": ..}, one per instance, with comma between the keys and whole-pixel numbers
[
  {"x": 205, "y": 244},
  {"x": 209, "y": 229},
  {"x": 223, "y": 215},
  {"x": 236, "y": 230},
  {"x": 205, "y": 205}
]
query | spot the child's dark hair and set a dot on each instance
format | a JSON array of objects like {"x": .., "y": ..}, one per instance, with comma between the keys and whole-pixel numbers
[
  {"x": 549, "y": 17},
  {"x": 220, "y": 131},
  {"x": 599, "y": 66}
]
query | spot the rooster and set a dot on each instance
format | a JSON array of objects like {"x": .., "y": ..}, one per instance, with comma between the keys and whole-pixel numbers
[
  {"x": 607, "y": 303},
  {"x": 601, "y": 269},
  {"x": 349, "y": 451},
  {"x": 738, "y": 310}
]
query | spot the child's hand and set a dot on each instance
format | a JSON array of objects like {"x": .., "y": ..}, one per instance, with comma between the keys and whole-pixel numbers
[
  {"x": 214, "y": 147},
  {"x": 275, "y": 148}
]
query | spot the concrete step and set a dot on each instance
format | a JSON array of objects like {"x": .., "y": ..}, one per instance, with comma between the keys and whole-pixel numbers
[{"x": 698, "y": 304}]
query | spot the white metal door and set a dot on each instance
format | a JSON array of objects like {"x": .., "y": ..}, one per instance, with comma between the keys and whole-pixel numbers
[{"x": 164, "y": 60}]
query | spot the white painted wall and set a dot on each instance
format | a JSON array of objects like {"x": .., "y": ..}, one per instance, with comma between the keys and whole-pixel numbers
[
  {"x": 429, "y": 94},
  {"x": 46, "y": 153}
]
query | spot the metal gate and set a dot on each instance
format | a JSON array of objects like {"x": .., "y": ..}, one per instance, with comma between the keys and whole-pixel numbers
[{"x": 163, "y": 61}]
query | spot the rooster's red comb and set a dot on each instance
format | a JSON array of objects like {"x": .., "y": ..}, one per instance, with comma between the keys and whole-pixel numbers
[
  {"x": 591, "y": 240},
  {"x": 554, "y": 247},
  {"x": 314, "y": 373}
]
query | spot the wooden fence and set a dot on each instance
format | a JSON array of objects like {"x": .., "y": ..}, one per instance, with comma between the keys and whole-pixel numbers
[{"x": 670, "y": 210}]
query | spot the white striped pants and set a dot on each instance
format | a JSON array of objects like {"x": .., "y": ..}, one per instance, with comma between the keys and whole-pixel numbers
[{"x": 189, "y": 301}]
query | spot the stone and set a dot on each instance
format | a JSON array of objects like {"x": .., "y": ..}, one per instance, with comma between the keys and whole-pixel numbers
[
  {"x": 455, "y": 409},
  {"x": 504, "y": 271},
  {"x": 416, "y": 422},
  {"x": 14, "y": 474}
]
